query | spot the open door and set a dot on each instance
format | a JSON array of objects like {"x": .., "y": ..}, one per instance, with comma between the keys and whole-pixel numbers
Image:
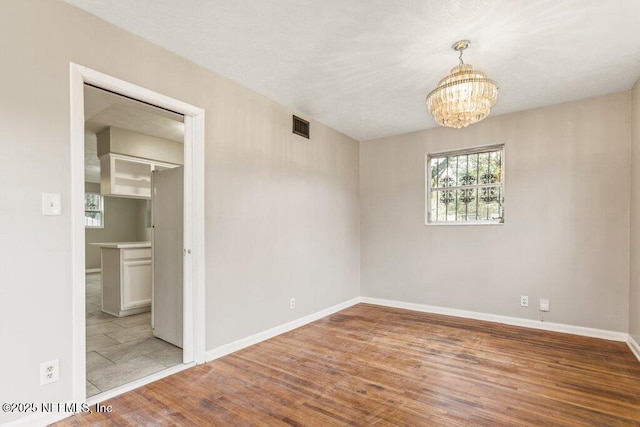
[{"x": 167, "y": 257}]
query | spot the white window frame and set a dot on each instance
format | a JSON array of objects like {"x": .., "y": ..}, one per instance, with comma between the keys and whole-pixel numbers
[
  {"x": 101, "y": 210},
  {"x": 459, "y": 152}
]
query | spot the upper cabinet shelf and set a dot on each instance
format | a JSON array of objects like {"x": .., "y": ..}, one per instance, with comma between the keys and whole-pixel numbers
[{"x": 126, "y": 176}]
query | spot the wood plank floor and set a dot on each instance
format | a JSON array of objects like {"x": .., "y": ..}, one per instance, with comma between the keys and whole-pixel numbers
[{"x": 370, "y": 365}]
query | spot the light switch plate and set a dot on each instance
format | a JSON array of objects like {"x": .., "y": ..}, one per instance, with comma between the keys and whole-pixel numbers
[{"x": 51, "y": 204}]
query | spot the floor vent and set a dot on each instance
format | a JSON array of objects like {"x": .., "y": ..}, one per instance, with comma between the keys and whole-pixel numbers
[{"x": 300, "y": 127}]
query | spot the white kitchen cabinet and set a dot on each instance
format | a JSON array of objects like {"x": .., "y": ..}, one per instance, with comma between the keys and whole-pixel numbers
[
  {"x": 126, "y": 278},
  {"x": 126, "y": 176}
]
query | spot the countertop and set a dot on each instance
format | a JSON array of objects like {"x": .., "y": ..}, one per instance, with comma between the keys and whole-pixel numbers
[{"x": 123, "y": 245}]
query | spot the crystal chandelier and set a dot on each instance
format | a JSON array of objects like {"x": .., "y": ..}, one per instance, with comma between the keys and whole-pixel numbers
[{"x": 463, "y": 97}]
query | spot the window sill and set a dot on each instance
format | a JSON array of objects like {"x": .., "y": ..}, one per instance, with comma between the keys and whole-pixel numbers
[{"x": 464, "y": 224}]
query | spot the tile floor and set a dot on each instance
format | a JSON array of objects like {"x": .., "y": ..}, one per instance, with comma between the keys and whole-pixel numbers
[{"x": 121, "y": 349}]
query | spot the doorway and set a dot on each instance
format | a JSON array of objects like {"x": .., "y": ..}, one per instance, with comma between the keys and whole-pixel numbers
[
  {"x": 133, "y": 239},
  {"x": 193, "y": 225}
]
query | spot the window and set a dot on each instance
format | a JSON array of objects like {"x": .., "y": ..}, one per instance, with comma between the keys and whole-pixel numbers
[
  {"x": 465, "y": 186},
  {"x": 93, "y": 210}
]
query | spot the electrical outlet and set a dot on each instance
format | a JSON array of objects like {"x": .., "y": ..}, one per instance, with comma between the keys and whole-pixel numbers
[
  {"x": 524, "y": 301},
  {"x": 49, "y": 372},
  {"x": 292, "y": 303},
  {"x": 544, "y": 304}
]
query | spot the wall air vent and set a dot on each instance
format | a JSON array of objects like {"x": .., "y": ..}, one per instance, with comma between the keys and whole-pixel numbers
[{"x": 300, "y": 127}]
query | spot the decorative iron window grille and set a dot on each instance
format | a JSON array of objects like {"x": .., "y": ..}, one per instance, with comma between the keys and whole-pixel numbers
[
  {"x": 466, "y": 186},
  {"x": 93, "y": 210}
]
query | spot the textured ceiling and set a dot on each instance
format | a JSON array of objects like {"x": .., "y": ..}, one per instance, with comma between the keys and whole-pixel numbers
[{"x": 364, "y": 67}]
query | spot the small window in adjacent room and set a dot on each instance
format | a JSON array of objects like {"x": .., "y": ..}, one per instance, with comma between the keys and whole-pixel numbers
[
  {"x": 465, "y": 186},
  {"x": 93, "y": 210}
]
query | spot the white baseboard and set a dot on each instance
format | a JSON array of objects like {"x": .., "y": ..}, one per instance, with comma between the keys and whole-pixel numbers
[
  {"x": 226, "y": 349},
  {"x": 515, "y": 321},
  {"x": 635, "y": 348},
  {"x": 92, "y": 270}
]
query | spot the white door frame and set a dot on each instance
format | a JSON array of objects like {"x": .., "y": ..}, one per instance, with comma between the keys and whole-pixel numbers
[{"x": 194, "y": 310}]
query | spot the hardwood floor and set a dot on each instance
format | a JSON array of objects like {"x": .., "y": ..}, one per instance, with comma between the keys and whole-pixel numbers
[{"x": 371, "y": 365}]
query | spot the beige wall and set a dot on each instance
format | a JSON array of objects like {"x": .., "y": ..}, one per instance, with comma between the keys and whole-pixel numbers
[
  {"x": 634, "y": 290},
  {"x": 566, "y": 231},
  {"x": 124, "y": 221},
  {"x": 282, "y": 214}
]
